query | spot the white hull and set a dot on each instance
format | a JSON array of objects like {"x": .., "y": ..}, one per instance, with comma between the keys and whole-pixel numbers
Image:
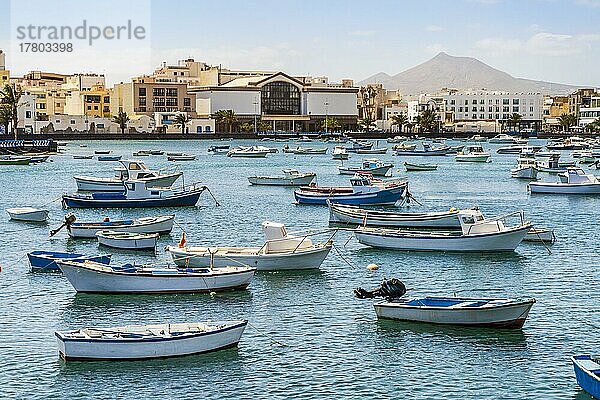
[
  {"x": 91, "y": 184},
  {"x": 524, "y": 173},
  {"x": 310, "y": 259},
  {"x": 492, "y": 316},
  {"x": 389, "y": 239},
  {"x": 243, "y": 154},
  {"x": 27, "y": 214},
  {"x": 161, "y": 226},
  {"x": 143, "y": 243},
  {"x": 470, "y": 158},
  {"x": 93, "y": 281},
  {"x": 540, "y": 235},
  {"x": 564, "y": 188},
  {"x": 281, "y": 181},
  {"x": 356, "y": 216},
  {"x": 132, "y": 349},
  {"x": 339, "y": 156},
  {"x": 379, "y": 171}
]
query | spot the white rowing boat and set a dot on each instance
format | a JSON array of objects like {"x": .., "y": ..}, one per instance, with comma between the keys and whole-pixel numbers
[
  {"x": 92, "y": 277},
  {"x": 127, "y": 240},
  {"x": 291, "y": 177},
  {"x": 161, "y": 224},
  {"x": 28, "y": 214},
  {"x": 138, "y": 342}
]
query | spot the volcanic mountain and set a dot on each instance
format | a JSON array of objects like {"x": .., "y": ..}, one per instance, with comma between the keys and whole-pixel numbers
[{"x": 445, "y": 71}]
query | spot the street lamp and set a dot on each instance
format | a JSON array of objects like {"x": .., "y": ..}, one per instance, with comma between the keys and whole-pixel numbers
[
  {"x": 255, "y": 114},
  {"x": 326, "y": 114}
]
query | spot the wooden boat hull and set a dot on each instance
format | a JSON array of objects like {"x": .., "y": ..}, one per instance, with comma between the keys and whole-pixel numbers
[
  {"x": 89, "y": 280},
  {"x": 372, "y": 151},
  {"x": 144, "y": 242},
  {"x": 89, "y": 349},
  {"x": 181, "y": 158},
  {"x": 92, "y": 184},
  {"x": 46, "y": 260},
  {"x": 507, "y": 316},
  {"x": 540, "y": 235},
  {"x": 302, "y": 259},
  {"x": 469, "y": 158},
  {"x": 378, "y": 171},
  {"x": 158, "y": 225},
  {"x": 252, "y": 154},
  {"x": 282, "y": 181},
  {"x": 420, "y": 167},
  {"x": 586, "y": 373},
  {"x": 382, "y": 197},
  {"x": 356, "y": 216},
  {"x": 404, "y": 240},
  {"x": 564, "y": 188},
  {"x": 34, "y": 215},
  {"x": 188, "y": 199},
  {"x": 524, "y": 173}
]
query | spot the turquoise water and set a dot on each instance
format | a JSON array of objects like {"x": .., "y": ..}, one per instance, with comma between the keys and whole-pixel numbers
[{"x": 310, "y": 337}]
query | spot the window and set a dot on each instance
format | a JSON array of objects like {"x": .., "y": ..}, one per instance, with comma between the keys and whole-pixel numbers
[
  {"x": 481, "y": 108},
  {"x": 89, "y": 107},
  {"x": 158, "y": 101},
  {"x": 142, "y": 101},
  {"x": 497, "y": 101},
  {"x": 516, "y": 109},
  {"x": 459, "y": 109},
  {"x": 505, "y": 101},
  {"x": 497, "y": 116},
  {"x": 171, "y": 92},
  {"x": 466, "y": 102},
  {"x": 186, "y": 102},
  {"x": 107, "y": 99},
  {"x": 474, "y": 101},
  {"x": 515, "y": 101},
  {"x": 158, "y": 91},
  {"x": 481, "y": 116},
  {"x": 142, "y": 91},
  {"x": 482, "y": 101},
  {"x": 474, "y": 116},
  {"x": 530, "y": 109},
  {"x": 207, "y": 129},
  {"x": 106, "y": 109},
  {"x": 452, "y": 102},
  {"x": 505, "y": 109},
  {"x": 280, "y": 98},
  {"x": 27, "y": 114},
  {"x": 72, "y": 122},
  {"x": 172, "y": 101},
  {"x": 474, "y": 109},
  {"x": 96, "y": 108},
  {"x": 490, "y": 109}
]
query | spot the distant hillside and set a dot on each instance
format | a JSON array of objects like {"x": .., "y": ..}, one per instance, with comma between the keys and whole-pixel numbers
[{"x": 448, "y": 71}]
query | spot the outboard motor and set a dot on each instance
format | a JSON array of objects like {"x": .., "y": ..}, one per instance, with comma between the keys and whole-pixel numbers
[
  {"x": 69, "y": 219},
  {"x": 392, "y": 288}
]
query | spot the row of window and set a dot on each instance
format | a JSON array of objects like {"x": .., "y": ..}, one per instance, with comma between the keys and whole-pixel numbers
[
  {"x": 169, "y": 92},
  {"x": 490, "y": 101},
  {"x": 491, "y": 109},
  {"x": 104, "y": 109},
  {"x": 490, "y": 116},
  {"x": 91, "y": 98}
]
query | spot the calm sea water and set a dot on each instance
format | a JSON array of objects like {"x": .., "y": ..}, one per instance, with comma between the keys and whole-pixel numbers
[{"x": 310, "y": 337}]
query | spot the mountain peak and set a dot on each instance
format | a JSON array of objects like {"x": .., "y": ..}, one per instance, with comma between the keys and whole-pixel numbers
[{"x": 444, "y": 70}]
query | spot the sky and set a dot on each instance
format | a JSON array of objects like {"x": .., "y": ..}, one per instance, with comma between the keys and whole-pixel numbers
[{"x": 552, "y": 40}]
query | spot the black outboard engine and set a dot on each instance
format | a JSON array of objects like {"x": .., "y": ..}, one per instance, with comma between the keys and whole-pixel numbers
[{"x": 389, "y": 289}]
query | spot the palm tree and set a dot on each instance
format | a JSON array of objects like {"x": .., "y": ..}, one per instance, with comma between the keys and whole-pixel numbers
[
  {"x": 5, "y": 116},
  {"x": 367, "y": 123},
  {"x": 227, "y": 117},
  {"x": 399, "y": 120},
  {"x": 515, "y": 121},
  {"x": 566, "y": 121},
  {"x": 427, "y": 120},
  {"x": 410, "y": 126},
  {"x": 122, "y": 118},
  {"x": 591, "y": 127},
  {"x": 181, "y": 120},
  {"x": 11, "y": 95},
  {"x": 332, "y": 124}
]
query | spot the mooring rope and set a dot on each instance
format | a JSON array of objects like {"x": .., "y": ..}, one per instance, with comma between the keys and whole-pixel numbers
[{"x": 267, "y": 336}]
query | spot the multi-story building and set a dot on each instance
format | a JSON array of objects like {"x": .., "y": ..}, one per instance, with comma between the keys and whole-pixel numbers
[
  {"x": 580, "y": 98},
  {"x": 4, "y": 73},
  {"x": 287, "y": 103},
  {"x": 553, "y": 107},
  {"x": 93, "y": 102},
  {"x": 590, "y": 113},
  {"x": 145, "y": 96}
]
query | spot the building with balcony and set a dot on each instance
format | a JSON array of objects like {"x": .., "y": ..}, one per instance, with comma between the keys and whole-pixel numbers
[
  {"x": 589, "y": 113},
  {"x": 93, "y": 102}
]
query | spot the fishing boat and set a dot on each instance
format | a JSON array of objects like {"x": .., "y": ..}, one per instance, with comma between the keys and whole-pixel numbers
[
  {"x": 369, "y": 166},
  {"x": 280, "y": 251},
  {"x": 156, "y": 152},
  {"x": 339, "y": 153},
  {"x": 38, "y": 158},
  {"x": 247, "y": 152},
  {"x": 183, "y": 157},
  {"x": 46, "y": 260},
  {"x": 404, "y": 146},
  {"x": 549, "y": 163},
  {"x": 584, "y": 157},
  {"x": 268, "y": 149},
  {"x": 174, "y": 153},
  {"x": 358, "y": 145},
  {"x": 397, "y": 139},
  {"x": 473, "y": 153},
  {"x": 587, "y": 374},
  {"x": 109, "y": 158},
  {"x": 363, "y": 190},
  {"x": 127, "y": 240},
  {"x": 573, "y": 181},
  {"x": 477, "y": 234},
  {"x": 540, "y": 235},
  {"x": 345, "y": 214},
  {"x": 136, "y": 194},
  {"x": 501, "y": 313},
  {"x": 516, "y": 149},
  {"x": 83, "y": 156},
  {"x": 28, "y": 214},
  {"x": 305, "y": 150},
  {"x": 420, "y": 167},
  {"x": 91, "y": 277},
  {"x": 219, "y": 149},
  {"x": 14, "y": 160},
  {"x": 140, "y": 342},
  {"x": 503, "y": 138},
  {"x": 160, "y": 225},
  {"x": 427, "y": 150},
  {"x": 572, "y": 143},
  {"x": 102, "y": 152},
  {"x": 477, "y": 138},
  {"x": 141, "y": 153},
  {"x": 377, "y": 150},
  {"x": 129, "y": 170},
  {"x": 526, "y": 167},
  {"x": 291, "y": 177}
]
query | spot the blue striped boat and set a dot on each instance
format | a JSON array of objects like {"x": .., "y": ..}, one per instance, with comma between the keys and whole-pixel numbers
[
  {"x": 587, "y": 373},
  {"x": 46, "y": 260},
  {"x": 364, "y": 191}
]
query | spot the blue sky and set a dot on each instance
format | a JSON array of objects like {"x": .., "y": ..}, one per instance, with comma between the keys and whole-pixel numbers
[{"x": 555, "y": 40}]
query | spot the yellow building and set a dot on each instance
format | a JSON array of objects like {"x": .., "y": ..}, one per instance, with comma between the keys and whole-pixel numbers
[{"x": 94, "y": 102}]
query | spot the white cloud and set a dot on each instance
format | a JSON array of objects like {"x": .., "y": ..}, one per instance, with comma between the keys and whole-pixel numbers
[
  {"x": 434, "y": 28},
  {"x": 362, "y": 33},
  {"x": 541, "y": 43}
]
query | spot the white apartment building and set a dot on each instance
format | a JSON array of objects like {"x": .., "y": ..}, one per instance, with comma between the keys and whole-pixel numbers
[
  {"x": 587, "y": 115},
  {"x": 493, "y": 105}
]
